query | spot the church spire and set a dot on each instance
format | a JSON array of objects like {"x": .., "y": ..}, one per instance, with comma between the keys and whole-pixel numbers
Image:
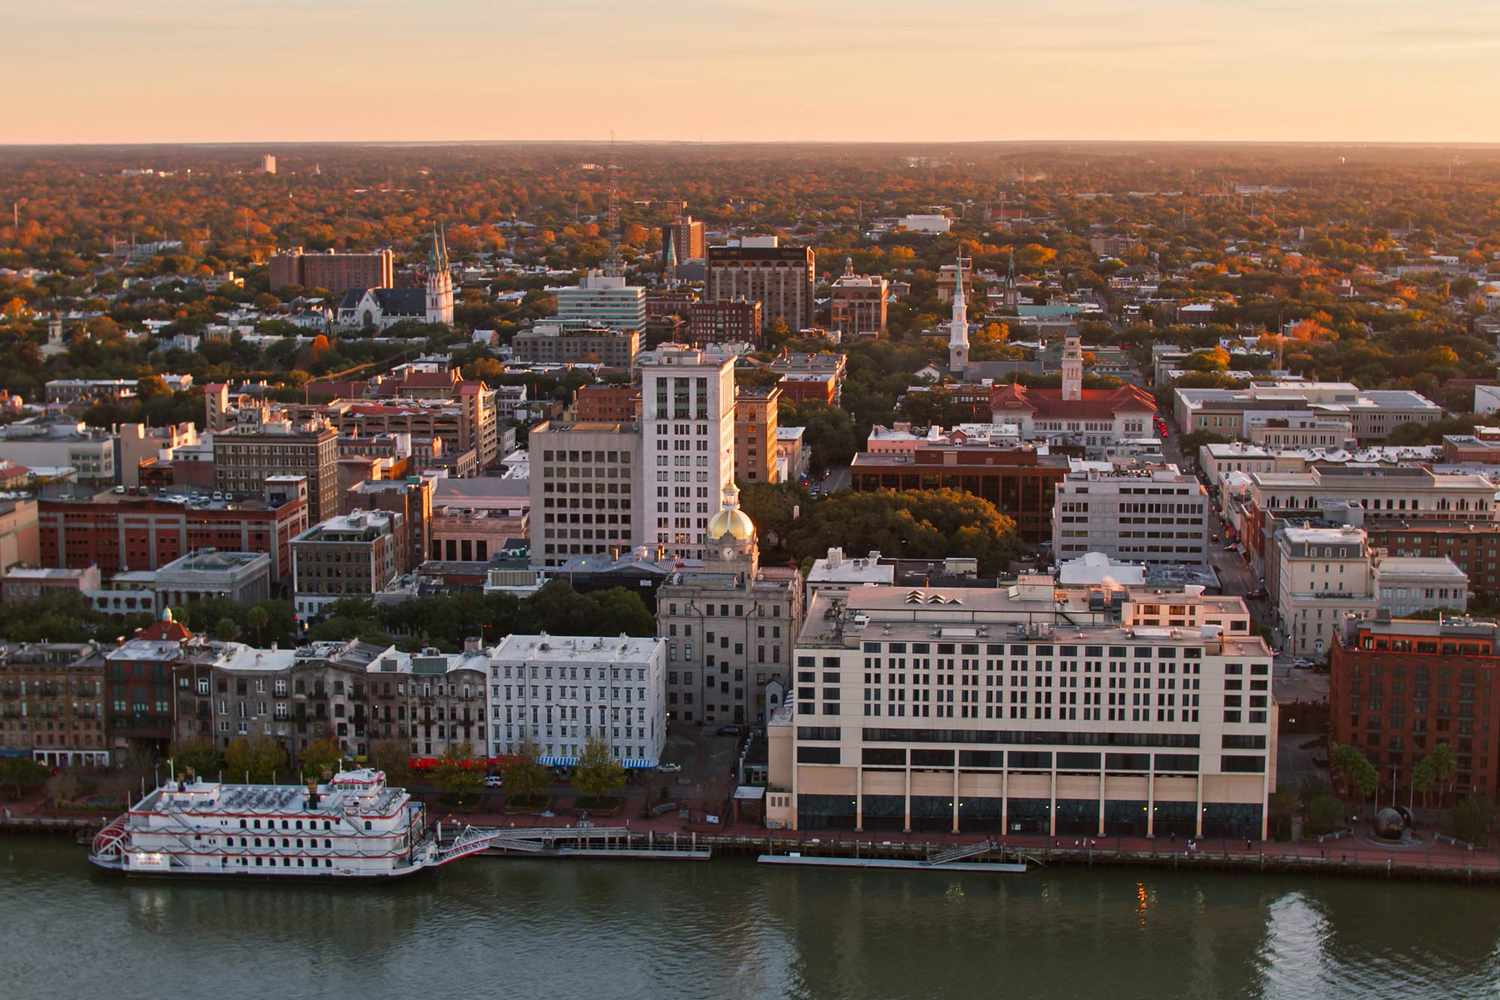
[
  {"x": 958, "y": 326},
  {"x": 670, "y": 266}
]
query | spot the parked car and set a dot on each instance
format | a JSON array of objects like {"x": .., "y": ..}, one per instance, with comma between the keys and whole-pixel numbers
[
  {"x": 728, "y": 731},
  {"x": 668, "y": 768},
  {"x": 493, "y": 781}
]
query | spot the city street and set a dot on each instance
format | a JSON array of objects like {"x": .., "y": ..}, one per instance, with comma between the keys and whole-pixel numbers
[{"x": 833, "y": 480}]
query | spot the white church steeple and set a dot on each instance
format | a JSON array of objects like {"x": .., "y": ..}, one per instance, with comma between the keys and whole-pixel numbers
[
  {"x": 1072, "y": 367},
  {"x": 439, "y": 281},
  {"x": 958, "y": 326}
]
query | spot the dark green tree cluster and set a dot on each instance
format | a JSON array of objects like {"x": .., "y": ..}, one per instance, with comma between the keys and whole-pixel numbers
[
  {"x": 920, "y": 524},
  {"x": 260, "y": 624},
  {"x": 63, "y": 617},
  {"x": 446, "y": 620}
]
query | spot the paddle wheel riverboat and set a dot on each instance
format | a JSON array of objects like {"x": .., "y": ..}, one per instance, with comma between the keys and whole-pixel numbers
[{"x": 353, "y": 826}]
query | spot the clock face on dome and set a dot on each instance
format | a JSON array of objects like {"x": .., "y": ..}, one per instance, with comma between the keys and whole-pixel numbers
[{"x": 727, "y": 552}]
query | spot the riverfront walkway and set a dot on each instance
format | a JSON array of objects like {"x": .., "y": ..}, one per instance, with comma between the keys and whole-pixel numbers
[{"x": 1358, "y": 854}]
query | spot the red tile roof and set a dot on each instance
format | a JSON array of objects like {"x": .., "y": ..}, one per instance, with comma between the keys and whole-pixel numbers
[
  {"x": 1048, "y": 404},
  {"x": 164, "y": 629}
]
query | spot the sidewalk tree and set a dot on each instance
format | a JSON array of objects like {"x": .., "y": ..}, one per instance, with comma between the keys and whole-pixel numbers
[
  {"x": 1424, "y": 778},
  {"x": 525, "y": 778},
  {"x": 20, "y": 773},
  {"x": 1471, "y": 820},
  {"x": 1444, "y": 765},
  {"x": 1354, "y": 769},
  {"x": 258, "y": 618},
  {"x": 598, "y": 774},
  {"x": 1325, "y": 814},
  {"x": 62, "y": 788},
  {"x": 318, "y": 757},
  {"x": 456, "y": 774},
  {"x": 199, "y": 756},
  {"x": 259, "y": 757},
  {"x": 391, "y": 756}
]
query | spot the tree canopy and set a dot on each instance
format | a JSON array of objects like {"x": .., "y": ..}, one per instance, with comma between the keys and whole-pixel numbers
[{"x": 920, "y": 524}]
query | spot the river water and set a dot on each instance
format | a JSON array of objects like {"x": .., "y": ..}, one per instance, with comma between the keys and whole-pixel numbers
[{"x": 525, "y": 929}]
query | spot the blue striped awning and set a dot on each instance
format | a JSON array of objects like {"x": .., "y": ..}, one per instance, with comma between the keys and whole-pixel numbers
[
  {"x": 638, "y": 763},
  {"x": 557, "y": 761}
]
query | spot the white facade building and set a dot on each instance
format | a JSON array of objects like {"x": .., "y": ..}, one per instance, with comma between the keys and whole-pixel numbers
[
  {"x": 560, "y": 692},
  {"x": 1233, "y": 456},
  {"x": 1324, "y": 577},
  {"x": 1148, "y": 514},
  {"x": 1021, "y": 710},
  {"x": 91, "y": 454},
  {"x": 602, "y": 298},
  {"x": 932, "y": 225},
  {"x": 687, "y": 418},
  {"x": 836, "y": 574},
  {"x": 1406, "y": 585}
]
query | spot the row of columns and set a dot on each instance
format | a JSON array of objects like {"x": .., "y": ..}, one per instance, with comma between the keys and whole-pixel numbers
[{"x": 859, "y": 801}]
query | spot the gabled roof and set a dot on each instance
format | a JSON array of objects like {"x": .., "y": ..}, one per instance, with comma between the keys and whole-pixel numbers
[
  {"x": 402, "y": 301},
  {"x": 1049, "y": 404}
]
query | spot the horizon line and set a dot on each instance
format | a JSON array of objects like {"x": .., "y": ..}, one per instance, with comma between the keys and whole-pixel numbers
[{"x": 615, "y": 143}]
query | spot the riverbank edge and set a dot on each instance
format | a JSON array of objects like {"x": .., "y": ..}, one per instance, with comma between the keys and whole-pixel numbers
[{"x": 640, "y": 846}]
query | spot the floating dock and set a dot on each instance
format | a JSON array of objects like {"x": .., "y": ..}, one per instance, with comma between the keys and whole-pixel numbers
[
  {"x": 615, "y": 843},
  {"x": 904, "y": 864}
]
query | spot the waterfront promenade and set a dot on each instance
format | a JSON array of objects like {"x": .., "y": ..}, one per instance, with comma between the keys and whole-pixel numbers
[{"x": 1356, "y": 854}]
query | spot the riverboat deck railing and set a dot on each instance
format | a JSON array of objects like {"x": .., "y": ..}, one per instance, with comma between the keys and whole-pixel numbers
[
  {"x": 961, "y": 853},
  {"x": 109, "y": 843},
  {"x": 470, "y": 840}
]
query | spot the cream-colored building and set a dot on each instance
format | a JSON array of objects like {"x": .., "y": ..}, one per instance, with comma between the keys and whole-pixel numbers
[
  {"x": 1387, "y": 491},
  {"x": 1299, "y": 431},
  {"x": 1023, "y": 709},
  {"x": 1406, "y": 585},
  {"x": 687, "y": 446},
  {"x": 138, "y": 442},
  {"x": 730, "y": 626},
  {"x": 1324, "y": 576},
  {"x": 585, "y": 487}
]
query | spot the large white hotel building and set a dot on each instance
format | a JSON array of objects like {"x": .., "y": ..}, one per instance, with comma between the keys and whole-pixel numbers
[{"x": 1026, "y": 709}]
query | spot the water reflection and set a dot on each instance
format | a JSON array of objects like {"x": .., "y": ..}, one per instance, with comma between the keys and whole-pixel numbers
[{"x": 541, "y": 929}]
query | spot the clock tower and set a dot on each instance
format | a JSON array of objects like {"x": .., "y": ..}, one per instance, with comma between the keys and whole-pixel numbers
[{"x": 729, "y": 544}]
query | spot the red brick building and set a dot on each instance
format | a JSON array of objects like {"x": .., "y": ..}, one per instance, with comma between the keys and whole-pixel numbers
[
  {"x": 661, "y": 302},
  {"x": 1018, "y": 481},
  {"x": 724, "y": 322},
  {"x": 118, "y": 532},
  {"x": 138, "y": 686},
  {"x": 1474, "y": 546},
  {"x": 609, "y": 403},
  {"x": 337, "y": 272},
  {"x": 1399, "y": 688},
  {"x": 809, "y": 387}
]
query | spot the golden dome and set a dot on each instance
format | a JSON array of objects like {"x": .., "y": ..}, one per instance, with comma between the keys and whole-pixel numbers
[{"x": 731, "y": 521}]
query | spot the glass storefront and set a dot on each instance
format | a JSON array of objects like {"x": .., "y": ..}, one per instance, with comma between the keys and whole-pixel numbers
[
  {"x": 884, "y": 813},
  {"x": 1174, "y": 818},
  {"x": 1077, "y": 817},
  {"x": 1231, "y": 820},
  {"x": 825, "y": 812},
  {"x": 979, "y": 815},
  {"x": 1125, "y": 818},
  {"x": 1029, "y": 816}
]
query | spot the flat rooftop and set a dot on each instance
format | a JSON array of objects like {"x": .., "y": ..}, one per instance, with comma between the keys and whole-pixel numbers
[
  {"x": 214, "y": 561},
  {"x": 569, "y": 649}
]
